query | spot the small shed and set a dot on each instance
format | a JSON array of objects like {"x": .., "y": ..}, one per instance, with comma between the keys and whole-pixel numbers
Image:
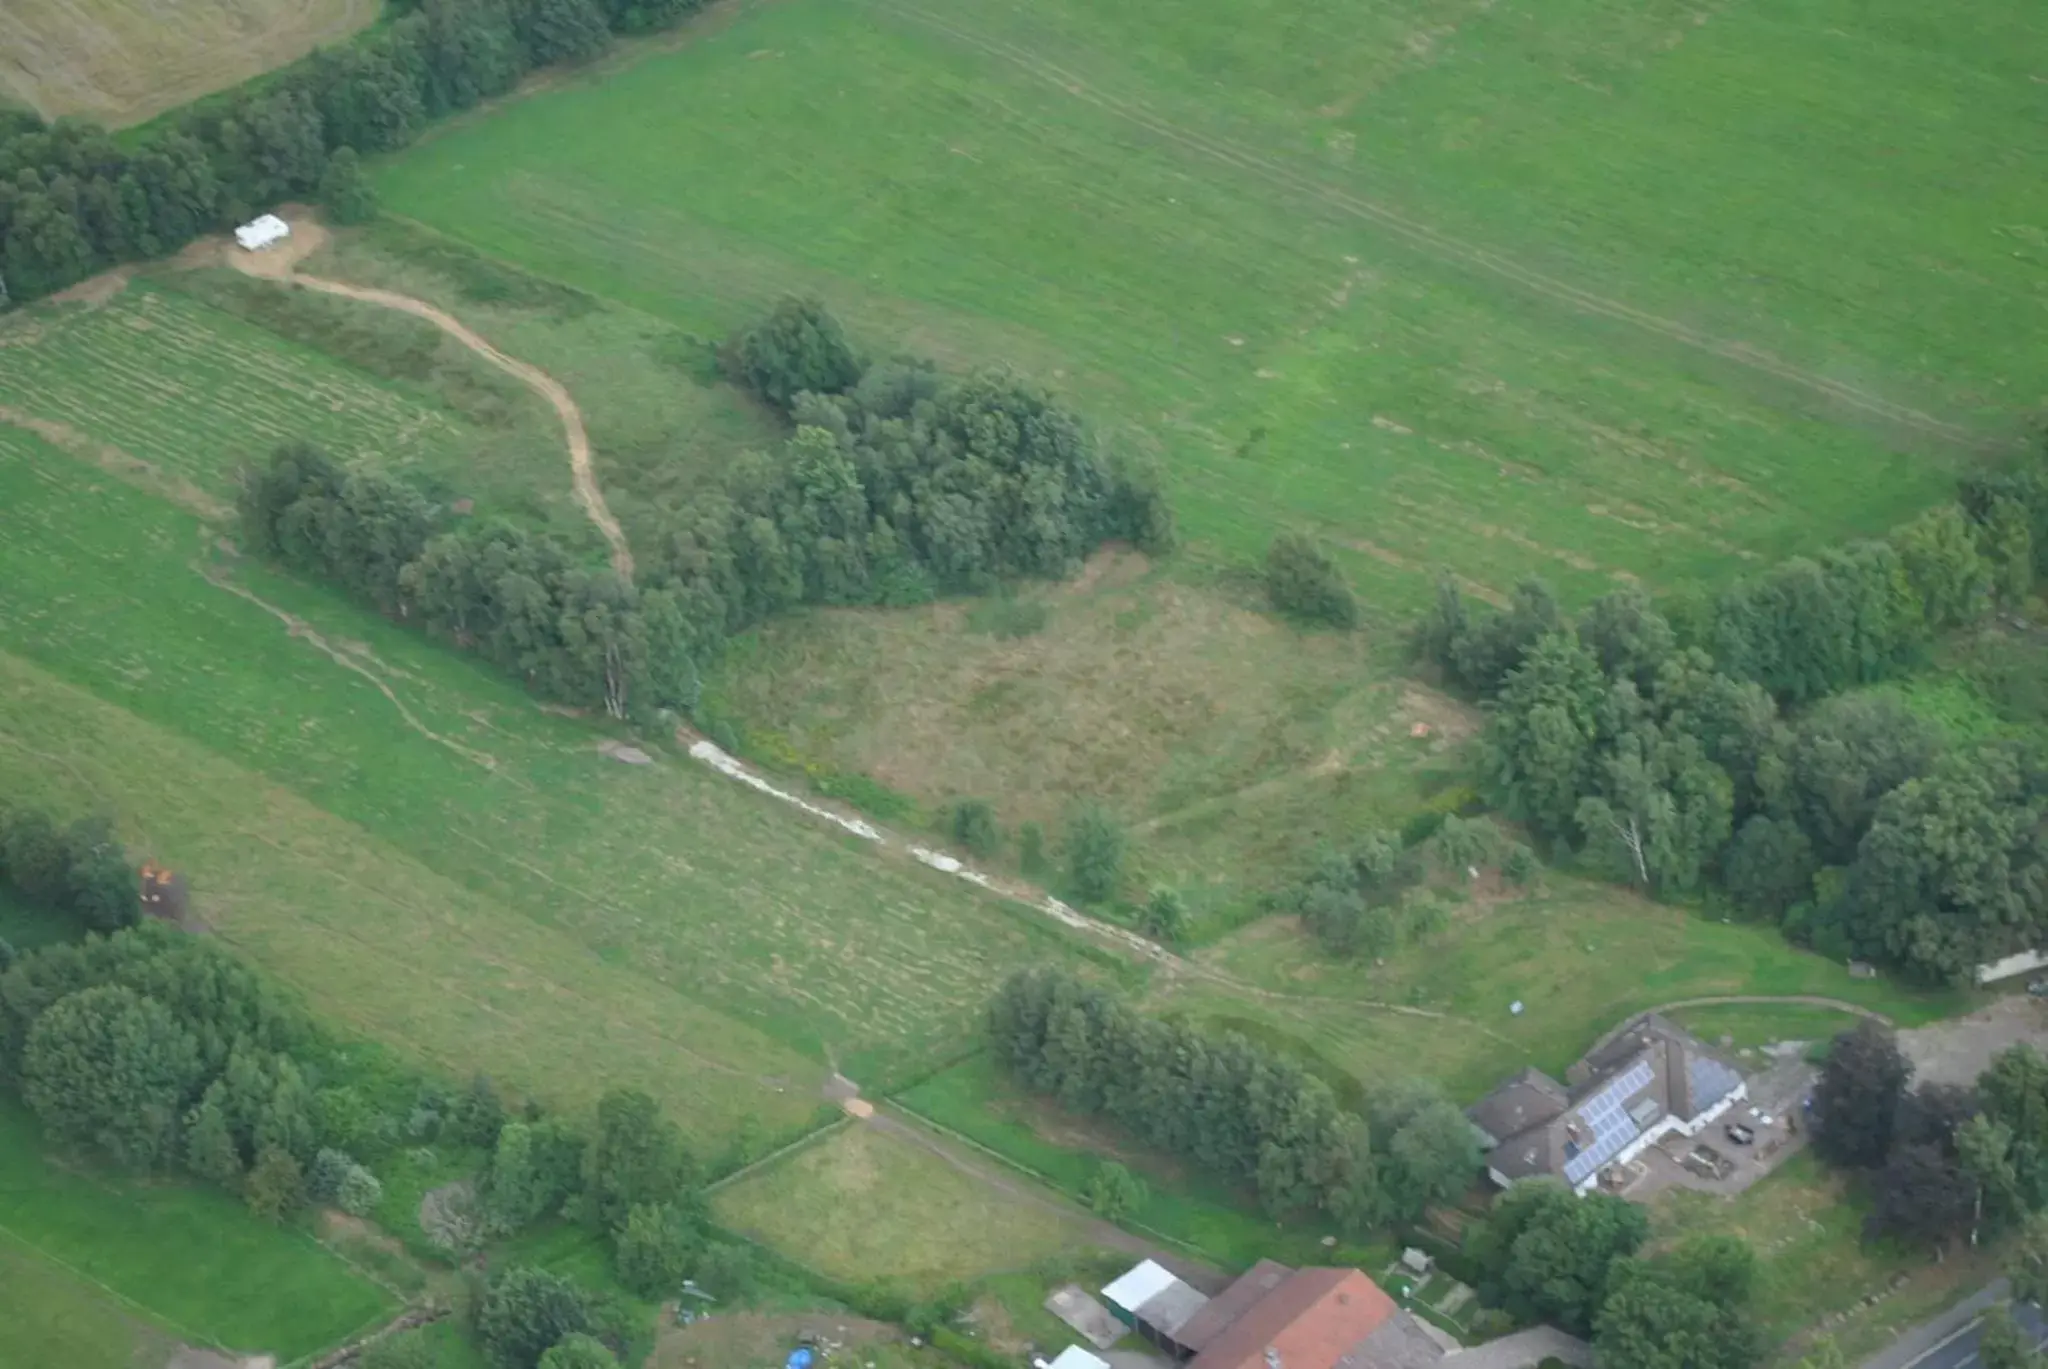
[
  {"x": 1151, "y": 1299},
  {"x": 261, "y": 231}
]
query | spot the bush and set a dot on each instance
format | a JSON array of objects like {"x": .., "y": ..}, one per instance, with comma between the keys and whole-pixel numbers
[
  {"x": 579, "y": 1352},
  {"x": 406, "y": 1350},
  {"x": 526, "y": 1312},
  {"x": 345, "y": 191},
  {"x": 799, "y": 347},
  {"x": 275, "y": 1187},
  {"x": 359, "y": 1192},
  {"x": 1521, "y": 865},
  {"x": 331, "y": 1169},
  {"x": 1031, "y": 850},
  {"x": 729, "y": 1272},
  {"x": 1302, "y": 582},
  {"x": 975, "y": 829},
  {"x": 1114, "y": 1193},
  {"x": 1095, "y": 854},
  {"x": 1164, "y": 916},
  {"x": 653, "y": 1250}
]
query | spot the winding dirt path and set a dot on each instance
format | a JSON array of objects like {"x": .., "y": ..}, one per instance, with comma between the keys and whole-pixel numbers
[
  {"x": 527, "y": 374},
  {"x": 280, "y": 264}
]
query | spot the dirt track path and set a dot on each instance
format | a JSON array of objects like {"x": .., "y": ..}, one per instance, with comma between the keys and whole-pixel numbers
[
  {"x": 527, "y": 374},
  {"x": 280, "y": 263}
]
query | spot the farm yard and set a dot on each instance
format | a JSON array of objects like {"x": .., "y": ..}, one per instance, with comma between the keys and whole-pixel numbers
[{"x": 1610, "y": 293}]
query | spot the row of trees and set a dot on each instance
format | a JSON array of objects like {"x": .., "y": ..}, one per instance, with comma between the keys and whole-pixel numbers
[
  {"x": 1809, "y": 628},
  {"x": 79, "y": 871},
  {"x": 1662, "y": 755},
  {"x": 1545, "y": 1255},
  {"x": 73, "y": 201},
  {"x": 1238, "y": 1109},
  {"x": 906, "y": 483}
]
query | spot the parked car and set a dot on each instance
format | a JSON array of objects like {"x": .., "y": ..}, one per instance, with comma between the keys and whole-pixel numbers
[{"x": 1740, "y": 1134}]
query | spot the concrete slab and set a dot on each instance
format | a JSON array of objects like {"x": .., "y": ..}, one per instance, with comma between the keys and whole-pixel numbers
[{"x": 1089, "y": 1319}]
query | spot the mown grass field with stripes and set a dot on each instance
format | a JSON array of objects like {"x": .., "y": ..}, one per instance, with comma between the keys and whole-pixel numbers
[
  {"x": 1595, "y": 290},
  {"x": 410, "y": 841}
]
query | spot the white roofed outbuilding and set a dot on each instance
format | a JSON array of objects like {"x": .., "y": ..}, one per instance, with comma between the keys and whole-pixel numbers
[
  {"x": 1074, "y": 1357},
  {"x": 261, "y": 231}
]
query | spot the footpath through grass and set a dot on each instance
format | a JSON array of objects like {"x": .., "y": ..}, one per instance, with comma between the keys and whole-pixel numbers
[{"x": 191, "y": 1260}]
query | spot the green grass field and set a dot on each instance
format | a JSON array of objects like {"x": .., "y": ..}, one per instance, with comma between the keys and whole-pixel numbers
[
  {"x": 1181, "y": 1206},
  {"x": 863, "y": 1204},
  {"x": 508, "y": 898},
  {"x": 104, "y": 1268},
  {"x": 1579, "y": 957},
  {"x": 1310, "y": 292}
]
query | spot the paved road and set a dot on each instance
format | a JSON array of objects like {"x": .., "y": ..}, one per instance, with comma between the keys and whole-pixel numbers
[{"x": 1950, "y": 1340}]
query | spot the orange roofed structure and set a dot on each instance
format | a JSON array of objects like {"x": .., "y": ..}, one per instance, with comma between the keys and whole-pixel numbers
[{"x": 1313, "y": 1319}]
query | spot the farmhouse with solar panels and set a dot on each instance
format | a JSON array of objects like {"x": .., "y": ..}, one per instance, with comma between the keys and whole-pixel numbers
[{"x": 1646, "y": 1081}]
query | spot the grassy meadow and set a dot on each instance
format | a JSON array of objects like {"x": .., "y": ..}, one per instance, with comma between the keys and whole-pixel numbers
[
  {"x": 510, "y": 899},
  {"x": 107, "y": 1268},
  {"x": 119, "y": 62},
  {"x": 863, "y": 1204},
  {"x": 1059, "y": 198}
]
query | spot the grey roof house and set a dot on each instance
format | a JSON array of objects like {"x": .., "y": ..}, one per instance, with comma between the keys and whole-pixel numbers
[{"x": 1643, "y": 1082}]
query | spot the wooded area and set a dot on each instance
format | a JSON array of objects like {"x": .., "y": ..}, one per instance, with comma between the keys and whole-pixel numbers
[
  {"x": 1709, "y": 745},
  {"x": 907, "y": 484}
]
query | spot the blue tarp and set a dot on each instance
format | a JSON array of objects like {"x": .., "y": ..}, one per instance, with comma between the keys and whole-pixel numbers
[{"x": 799, "y": 1359}]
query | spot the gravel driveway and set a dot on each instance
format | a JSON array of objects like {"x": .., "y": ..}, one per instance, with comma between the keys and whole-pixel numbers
[{"x": 1957, "y": 1051}]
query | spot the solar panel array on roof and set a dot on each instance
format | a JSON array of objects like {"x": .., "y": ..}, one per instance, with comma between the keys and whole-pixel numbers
[
  {"x": 1711, "y": 1081},
  {"x": 1612, "y": 1127}
]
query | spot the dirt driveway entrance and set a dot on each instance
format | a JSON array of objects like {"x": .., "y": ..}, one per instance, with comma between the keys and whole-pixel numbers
[{"x": 1957, "y": 1051}]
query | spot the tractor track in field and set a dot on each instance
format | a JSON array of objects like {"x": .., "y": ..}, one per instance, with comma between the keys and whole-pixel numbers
[
  {"x": 1439, "y": 244},
  {"x": 280, "y": 264}
]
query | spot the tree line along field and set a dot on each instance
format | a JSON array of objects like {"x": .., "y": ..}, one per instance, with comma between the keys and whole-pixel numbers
[{"x": 1292, "y": 356}]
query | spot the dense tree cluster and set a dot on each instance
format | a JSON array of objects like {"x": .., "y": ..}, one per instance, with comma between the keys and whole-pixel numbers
[
  {"x": 1686, "y": 1309},
  {"x": 906, "y": 484},
  {"x": 1660, "y": 752},
  {"x": 79, "y": 871},
  {"x": 1941, "y": 1161},
  {"x": 1233, "y": 1107},
  {"x": 1545, "y": 1254},
  {"x": 571, "y": 631},
  {"x": 74, "y": 201},
  {"x": 159, "y": 1051}
]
